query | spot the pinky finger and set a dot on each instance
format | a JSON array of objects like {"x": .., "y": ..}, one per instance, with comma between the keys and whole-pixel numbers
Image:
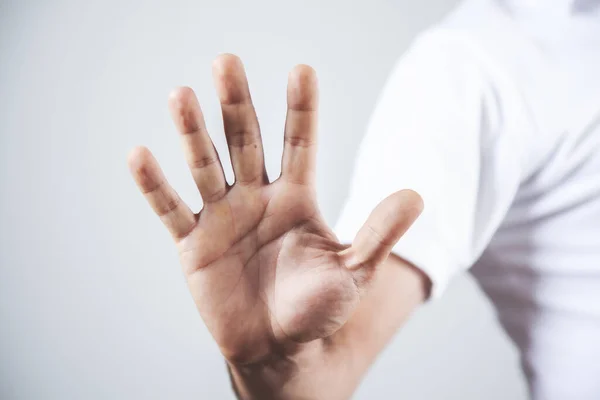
[{"x": 166, "y": 203}]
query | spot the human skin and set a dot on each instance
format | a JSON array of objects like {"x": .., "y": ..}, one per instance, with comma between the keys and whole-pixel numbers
[{"x": 295, "y": 313}]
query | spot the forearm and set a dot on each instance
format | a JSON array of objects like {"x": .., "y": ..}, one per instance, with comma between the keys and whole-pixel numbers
[{"x": 332, "y": 368}]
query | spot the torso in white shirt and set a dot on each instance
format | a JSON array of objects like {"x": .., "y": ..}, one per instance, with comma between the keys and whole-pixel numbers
[{"x": 494, "y": 117}]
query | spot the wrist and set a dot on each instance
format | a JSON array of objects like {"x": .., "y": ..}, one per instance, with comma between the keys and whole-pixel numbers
[{"x": 316, "y": 370}]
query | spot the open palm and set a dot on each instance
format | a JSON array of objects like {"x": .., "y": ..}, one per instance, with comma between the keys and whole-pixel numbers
[{"x": 265, "y": 270}]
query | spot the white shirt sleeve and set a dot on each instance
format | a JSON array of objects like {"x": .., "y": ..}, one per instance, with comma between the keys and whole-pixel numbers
[{"x": 438, "y": 129}]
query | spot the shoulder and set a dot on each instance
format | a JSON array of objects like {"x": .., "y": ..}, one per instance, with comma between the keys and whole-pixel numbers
[{"x": 480, "y": 33}]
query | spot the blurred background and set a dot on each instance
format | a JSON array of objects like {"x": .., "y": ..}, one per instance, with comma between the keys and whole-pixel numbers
[{"x": 93, "y": 304}]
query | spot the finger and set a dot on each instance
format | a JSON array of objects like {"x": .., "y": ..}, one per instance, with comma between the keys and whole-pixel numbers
[
  {"x": 300, "y": 143},
  {"x": 384, "y": 227},
  {"x": 239, "y": 120},
  {"x": 199, "y": 150},
  {"x": 174, "y": 213}
]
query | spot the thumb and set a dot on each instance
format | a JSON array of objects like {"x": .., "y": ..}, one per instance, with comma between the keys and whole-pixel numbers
[{"x": 384, "y": 227}]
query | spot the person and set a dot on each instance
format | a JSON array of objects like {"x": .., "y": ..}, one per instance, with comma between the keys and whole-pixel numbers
[{"x": 493, "y": 117}]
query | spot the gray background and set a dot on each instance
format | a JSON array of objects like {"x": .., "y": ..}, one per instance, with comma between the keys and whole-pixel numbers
[{"x": 92, "y": 301}]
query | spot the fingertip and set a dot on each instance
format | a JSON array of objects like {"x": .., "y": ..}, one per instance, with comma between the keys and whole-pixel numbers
[
  {"x": 386, "y": 224},
  {"x": 302, "y": 88},
  {"x": 410, "y": 199},
  {"x": 140, "y": 161},
  {"x": 185, "y": 109},
  {"x": 144, "y": 168},
  {"x": 137, "y": 157},
  {"x": 398, "y": 212},
  {"x": 230, "y": 79},
  {"x": 181, "y": 96},
  {"x": 226, "y": 63},
  {"x": 303, "y": 73},
  {"x": 395, "y": 214}
]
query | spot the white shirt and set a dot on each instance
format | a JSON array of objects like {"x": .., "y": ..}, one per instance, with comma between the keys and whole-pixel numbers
[{"x": 493, "y": 116}]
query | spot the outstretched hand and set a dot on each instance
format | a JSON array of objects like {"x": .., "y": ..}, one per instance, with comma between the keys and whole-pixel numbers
[{"x": 263, "y": 267}]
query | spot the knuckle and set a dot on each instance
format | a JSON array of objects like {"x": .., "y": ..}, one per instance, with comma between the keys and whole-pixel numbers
[
  {"x": 299, "y": 141},
  {"x": 203, "y": 162},
  {"x": 242, "y": 138},
  {"x": 169, "y": 206}
]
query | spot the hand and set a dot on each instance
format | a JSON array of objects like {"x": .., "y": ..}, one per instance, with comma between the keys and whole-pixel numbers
[{"x": 264, "y": 269}]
